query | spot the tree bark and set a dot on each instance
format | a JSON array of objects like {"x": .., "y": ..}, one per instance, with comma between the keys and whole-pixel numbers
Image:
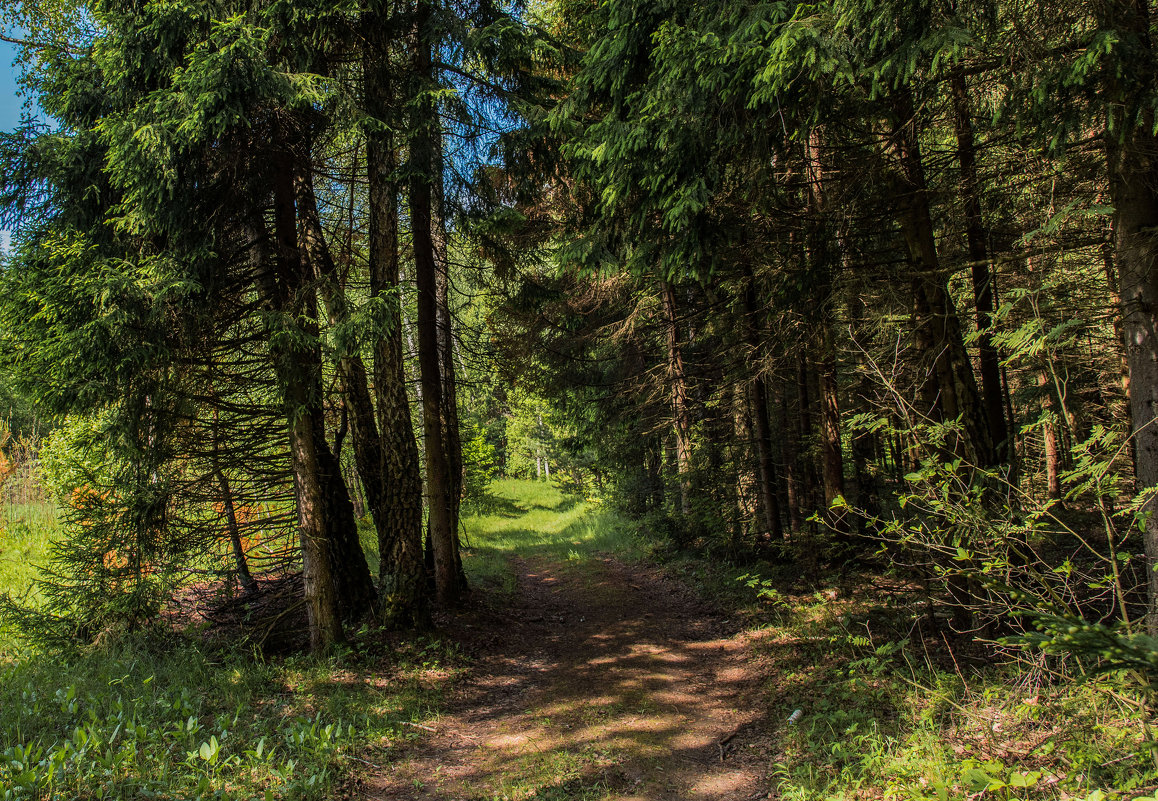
[
  {"x": 352, "y": 578},
  {"x": 681, "y": 417},
  {"x": 761, "y": 425},
  {"x": 299, "y": 372},
  {"x": 1132, "y": 158},
  {"x": 1053, "y": 462},
  {"x": 938, "y": 327},
  {"x": 423, "y": 172},
  {"x": 450, "y": 424},
  {"x": 983, "y": 277}
]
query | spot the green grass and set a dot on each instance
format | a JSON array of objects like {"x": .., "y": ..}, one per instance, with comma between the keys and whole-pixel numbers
[
  {"x": 535, "y": 519},
  {"x": 162, "y": 716},
  {"x": 882, "y": 717},
  {"x": 167, "y": 717},
  {"x": 25, "y": 533}
]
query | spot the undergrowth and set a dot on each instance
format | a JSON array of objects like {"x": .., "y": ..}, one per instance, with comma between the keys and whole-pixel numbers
[{"x": 885, "y": 712}]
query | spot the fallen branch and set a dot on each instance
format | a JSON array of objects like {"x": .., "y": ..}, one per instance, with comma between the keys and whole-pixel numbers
[{"x": 430, "y": 729}]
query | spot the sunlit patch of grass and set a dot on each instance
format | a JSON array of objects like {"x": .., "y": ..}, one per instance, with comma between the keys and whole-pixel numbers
[
  {"x": 26, "y": 530},
  {"x": 156, "y": 715},
  {"x": 536, "y": 519}
]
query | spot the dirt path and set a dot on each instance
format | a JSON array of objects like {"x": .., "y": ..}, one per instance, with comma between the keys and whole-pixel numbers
[{"x": 597, "y": 681}]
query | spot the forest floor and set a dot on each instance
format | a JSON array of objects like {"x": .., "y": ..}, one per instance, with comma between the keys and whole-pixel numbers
[
  {"x": 588, "y": 664},
  {"x": 596, "y": 680}
]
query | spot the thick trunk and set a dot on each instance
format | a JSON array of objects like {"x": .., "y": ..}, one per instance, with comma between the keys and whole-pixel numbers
[
  {"x": 983, "y": 276},
  {"x": 819, "y": 249},
  {"x": 351, "y": 573},
  {"x": 1133, "y": 167},
  {"x": 423, "y": 172},
  {"x": 353, "y": 583},
  {"x": 401, "y": 573},
  {"x": 938, "y": 332},
  {"x": 299, "y": 372},
  {"x": 681, "y": 417}
]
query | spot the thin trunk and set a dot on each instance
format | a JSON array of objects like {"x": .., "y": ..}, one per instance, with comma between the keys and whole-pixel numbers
[
  {"x": 791, "y": 469},
  {"x": 439, "y": 487},
  {"x": 981, "y": 263},
  {"x": 745, "y": 476},
  {"x": 450, "y": 424},
  {"x": 1053, "y": 466},
  {"x": 401, "y": 572},
  {"x": 681, "y": 419},
  {"x": 762, "y": 428},
  {"x": 831, "y": 450},
  {"x": 243, "y": 574}
]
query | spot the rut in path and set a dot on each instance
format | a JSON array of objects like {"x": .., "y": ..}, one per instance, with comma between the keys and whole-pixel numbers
[{"x": 596, "y": 682}]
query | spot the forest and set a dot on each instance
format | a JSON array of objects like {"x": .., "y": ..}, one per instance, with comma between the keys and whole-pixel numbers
[{"x": 580, "y": 399}]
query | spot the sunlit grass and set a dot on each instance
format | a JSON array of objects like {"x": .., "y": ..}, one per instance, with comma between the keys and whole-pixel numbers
[
  {"x": 536, "y": 519},
  {"x": 26, "y": 530},
  {"x": 159, "y": 715}
]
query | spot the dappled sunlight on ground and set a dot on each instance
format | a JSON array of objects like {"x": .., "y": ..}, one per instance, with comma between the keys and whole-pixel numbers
[{"x": 598, "y": 682}]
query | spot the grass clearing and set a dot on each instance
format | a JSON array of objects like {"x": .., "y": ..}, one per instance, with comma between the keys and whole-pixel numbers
[
  {"x": 537, "y": 520},
  {"x": 883, "y": 715}
]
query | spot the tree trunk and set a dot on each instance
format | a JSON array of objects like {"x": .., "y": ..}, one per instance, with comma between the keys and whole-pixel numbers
[
  {"x": 351, "y": 575},
  {"x": 983, "y": 276},
  {"x": 762, "y": 428},
  {"x": 299, "y": 371},
  {"x": 831, "y": 450},
  {"x": 745, "y": 476},
  {"x": 401, "y": 571},
  {"x": 352, "y": 578},
  {"x": 1133, "y": 170},
  {"x": 791, "y": 470},
  {"x": 450, "y": 424},
  {"x": 938, "y": 328},
  {"x": 938, "y": 332},
  {"x": 1053, "y": 465},
  {"x": 243, "y": 574},
  {"x": 681, "y": 417},
  {"x": 439, "y": 487}
]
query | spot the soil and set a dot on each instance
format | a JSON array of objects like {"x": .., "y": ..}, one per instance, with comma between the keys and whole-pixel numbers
[{"x": 597, "y": 680}]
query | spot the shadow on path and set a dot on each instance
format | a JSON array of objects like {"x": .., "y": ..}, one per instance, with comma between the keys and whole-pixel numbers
[{"x": 599, "y": 681}]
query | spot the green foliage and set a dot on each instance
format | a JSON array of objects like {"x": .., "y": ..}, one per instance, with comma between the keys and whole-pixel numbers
[{"x": 480, "y": 463}]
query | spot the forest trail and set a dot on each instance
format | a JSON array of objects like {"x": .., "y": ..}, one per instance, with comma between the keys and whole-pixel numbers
[{"x": 597, "y": 680}]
